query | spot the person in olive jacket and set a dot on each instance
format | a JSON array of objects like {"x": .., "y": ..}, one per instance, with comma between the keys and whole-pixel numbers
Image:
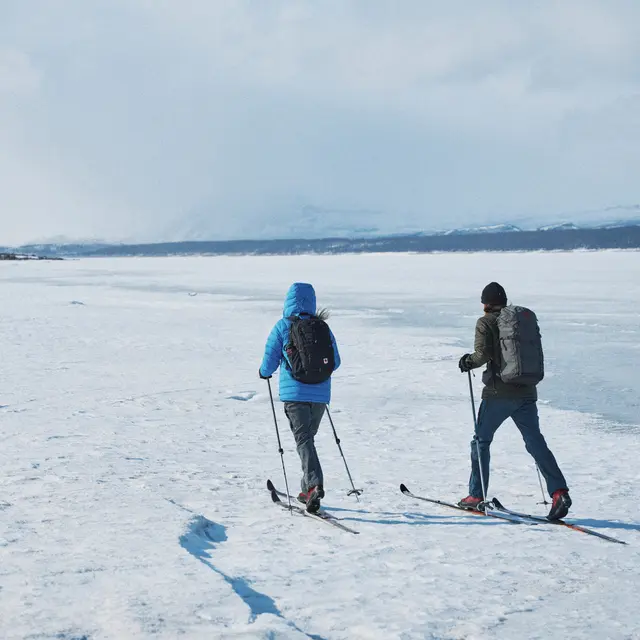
[{"x": 500, "y": 401}]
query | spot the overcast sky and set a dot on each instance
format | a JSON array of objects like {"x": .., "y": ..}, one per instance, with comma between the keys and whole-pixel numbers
[{"x": 125, "y": 119}]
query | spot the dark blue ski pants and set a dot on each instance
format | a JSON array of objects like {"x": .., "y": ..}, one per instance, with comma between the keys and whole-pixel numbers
[{"x": 524, "y": 413}]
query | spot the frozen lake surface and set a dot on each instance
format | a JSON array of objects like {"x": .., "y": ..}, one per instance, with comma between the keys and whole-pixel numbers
[{"x": 136, "y": 441}]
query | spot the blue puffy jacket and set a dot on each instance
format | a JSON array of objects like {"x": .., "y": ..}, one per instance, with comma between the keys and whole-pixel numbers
[{"x": 300, "y": 300}]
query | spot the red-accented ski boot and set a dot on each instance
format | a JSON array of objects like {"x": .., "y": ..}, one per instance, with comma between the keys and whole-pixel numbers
[
  {"x": 560, "y": 505},
  {"x": 302, "y": 497},
  {"x": 471, "y": 503},
  {"x": 313, "y": 498}
]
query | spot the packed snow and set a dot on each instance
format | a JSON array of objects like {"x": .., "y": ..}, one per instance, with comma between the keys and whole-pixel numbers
[{"x": 136, "y": 441}]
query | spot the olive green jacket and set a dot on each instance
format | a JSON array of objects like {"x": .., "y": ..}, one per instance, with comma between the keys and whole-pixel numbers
[{"x": 487, "y": 351}]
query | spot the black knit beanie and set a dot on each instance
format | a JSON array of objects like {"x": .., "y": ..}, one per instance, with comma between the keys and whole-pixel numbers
[{"x": 495, "y": 294}]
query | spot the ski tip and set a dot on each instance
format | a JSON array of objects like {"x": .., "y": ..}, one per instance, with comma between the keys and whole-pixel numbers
[
  {"x": 275, "y": 497},
  {"x": 270, "y": 485},
  {"x": 403, "y": 488}
]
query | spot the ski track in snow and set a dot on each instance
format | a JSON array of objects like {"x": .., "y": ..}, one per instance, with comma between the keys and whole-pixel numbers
[{"x": 137, "y": 440}]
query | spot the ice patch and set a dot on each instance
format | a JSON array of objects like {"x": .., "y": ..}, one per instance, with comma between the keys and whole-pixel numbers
[{"x": 243, "y": 396}]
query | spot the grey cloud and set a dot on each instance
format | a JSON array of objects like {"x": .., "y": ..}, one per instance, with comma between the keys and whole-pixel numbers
[{"x": 141, "y": 119}]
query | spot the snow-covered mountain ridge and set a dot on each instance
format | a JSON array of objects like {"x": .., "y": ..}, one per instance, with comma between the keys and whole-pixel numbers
[{"x": 314, "y": 223}]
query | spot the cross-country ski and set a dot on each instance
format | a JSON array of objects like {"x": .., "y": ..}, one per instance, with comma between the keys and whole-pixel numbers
[
  {"x": 486, "y": 510},
  {"x": 563, "y": 523},
  {"x": 315, "y": 515},
  {"x": 495, "y": 508}
]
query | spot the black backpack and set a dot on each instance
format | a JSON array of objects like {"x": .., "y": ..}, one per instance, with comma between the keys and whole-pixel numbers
[{"x": 310, "y": 350}]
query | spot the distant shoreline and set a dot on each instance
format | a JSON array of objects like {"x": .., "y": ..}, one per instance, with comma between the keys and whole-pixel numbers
[
  {"x": 8, "y": 256},
  {"x": 622, "y": 237}
]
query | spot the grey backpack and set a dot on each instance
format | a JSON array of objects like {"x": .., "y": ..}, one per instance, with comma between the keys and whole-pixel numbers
[{"x": 520, "y": 346}]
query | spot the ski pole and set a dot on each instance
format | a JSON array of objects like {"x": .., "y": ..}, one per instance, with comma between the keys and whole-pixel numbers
[
  {"x": 544, "y": 499},
  {"x": 280, "y": 449},
  {"x": 475, "y": 437},
  {"x": 354, "y": 491}
]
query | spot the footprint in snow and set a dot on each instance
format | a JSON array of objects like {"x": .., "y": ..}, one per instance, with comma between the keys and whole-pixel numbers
[{"x": 243, "y": 396}]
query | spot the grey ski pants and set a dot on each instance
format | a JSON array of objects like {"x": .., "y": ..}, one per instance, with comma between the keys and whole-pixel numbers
[{"x": 304, "y": 419}]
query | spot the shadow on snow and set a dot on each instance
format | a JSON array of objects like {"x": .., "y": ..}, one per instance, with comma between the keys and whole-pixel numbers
[
  {"x": 200, "y": 539},
  {"x": 413, "y": 519},
  {"x": 605, "y": 524},
  {"x": 463, "y": 519}
]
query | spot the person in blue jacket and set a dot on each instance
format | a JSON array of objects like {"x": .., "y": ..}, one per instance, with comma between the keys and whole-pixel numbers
[{"x": 304, "y": 404}]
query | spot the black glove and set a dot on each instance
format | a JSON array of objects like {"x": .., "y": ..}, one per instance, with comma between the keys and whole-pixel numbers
[
  {"x": 464, "y": 363},
  {"x": 263, "y": 377}
]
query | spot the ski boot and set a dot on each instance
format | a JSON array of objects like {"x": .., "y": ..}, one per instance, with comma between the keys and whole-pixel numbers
[{"x": 560, "y": 505}]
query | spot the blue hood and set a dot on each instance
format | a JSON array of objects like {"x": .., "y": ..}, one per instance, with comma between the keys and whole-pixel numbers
[{"x": 301, "y": 298}]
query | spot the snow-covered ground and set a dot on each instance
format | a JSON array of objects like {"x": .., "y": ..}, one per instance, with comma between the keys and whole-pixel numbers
[{"x": 136, "y": 439}]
